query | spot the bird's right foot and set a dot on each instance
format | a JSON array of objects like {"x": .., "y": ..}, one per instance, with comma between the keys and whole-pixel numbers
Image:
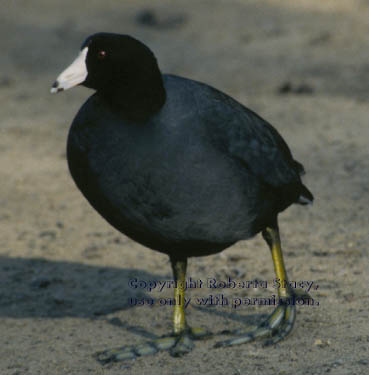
[{"x": 177, "y": 345}]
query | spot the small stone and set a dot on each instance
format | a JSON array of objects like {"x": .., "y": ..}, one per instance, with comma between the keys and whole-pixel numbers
[
  {"x": 59, "y": 225},
  {"x": 337, "y": 363},
  {"x": 48, "y": 234},
  {"x": 150, "y": 18},
  {"x": 285, "y": 88},
  {"x": 364, "y": 362},
  {"x": 304, "y": 89},
  {"x": 289, "y": 88},
  {"x": 322, "y": 343},
  {"x": 320, "y": 253},
  {"x": 147, "y": 17}
]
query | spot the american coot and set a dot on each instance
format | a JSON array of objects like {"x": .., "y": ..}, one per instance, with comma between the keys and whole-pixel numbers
[{"x": 179, "y": 167}]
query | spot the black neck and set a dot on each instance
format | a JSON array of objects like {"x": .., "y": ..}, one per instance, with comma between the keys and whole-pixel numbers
[{"x": 137, "y": 100}]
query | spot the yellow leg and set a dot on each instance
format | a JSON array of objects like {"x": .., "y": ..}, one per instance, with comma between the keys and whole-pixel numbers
[
  {"x": 271, "y": 236},
  {"x": 184, "y": 343},
  {"x": 280, "y": 323},
  {"x": 180, "y": 342},
  {"x": 179, "y": 319}
]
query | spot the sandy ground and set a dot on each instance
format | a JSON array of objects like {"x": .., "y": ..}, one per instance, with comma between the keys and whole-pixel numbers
[{"x": 64, "y": 292}]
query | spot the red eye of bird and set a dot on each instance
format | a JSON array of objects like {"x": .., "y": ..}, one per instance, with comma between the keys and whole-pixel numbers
[{"x": 101, "y": 55}]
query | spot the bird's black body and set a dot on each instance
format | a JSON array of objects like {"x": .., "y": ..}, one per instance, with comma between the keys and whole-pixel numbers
[
  {"x": 181, "y": 168},
  {"x": 200, "y": 174}
]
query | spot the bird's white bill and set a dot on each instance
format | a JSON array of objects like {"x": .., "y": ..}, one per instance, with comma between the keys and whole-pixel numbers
[{"x": 75, "y": 74}]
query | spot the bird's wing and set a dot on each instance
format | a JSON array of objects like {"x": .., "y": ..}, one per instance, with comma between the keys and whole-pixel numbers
[{"x": 246, "y": 136}]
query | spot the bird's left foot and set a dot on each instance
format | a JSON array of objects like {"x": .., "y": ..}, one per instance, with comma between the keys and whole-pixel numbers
[
  {"x": 177, "y": 345},
  {"x": 276, "y": 327}
]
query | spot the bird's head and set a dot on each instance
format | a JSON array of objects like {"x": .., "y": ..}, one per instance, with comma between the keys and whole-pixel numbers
[{"x": 108, "y": 60}]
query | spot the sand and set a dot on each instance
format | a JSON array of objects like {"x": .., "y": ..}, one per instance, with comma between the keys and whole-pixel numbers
[{"x": 64, "y": 281}]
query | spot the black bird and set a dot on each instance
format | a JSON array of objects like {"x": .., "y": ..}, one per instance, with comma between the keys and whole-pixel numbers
[{"x": 179, "y": 167}]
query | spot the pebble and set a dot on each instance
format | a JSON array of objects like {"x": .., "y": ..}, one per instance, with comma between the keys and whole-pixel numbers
[{"x": 322, "y": 343}]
